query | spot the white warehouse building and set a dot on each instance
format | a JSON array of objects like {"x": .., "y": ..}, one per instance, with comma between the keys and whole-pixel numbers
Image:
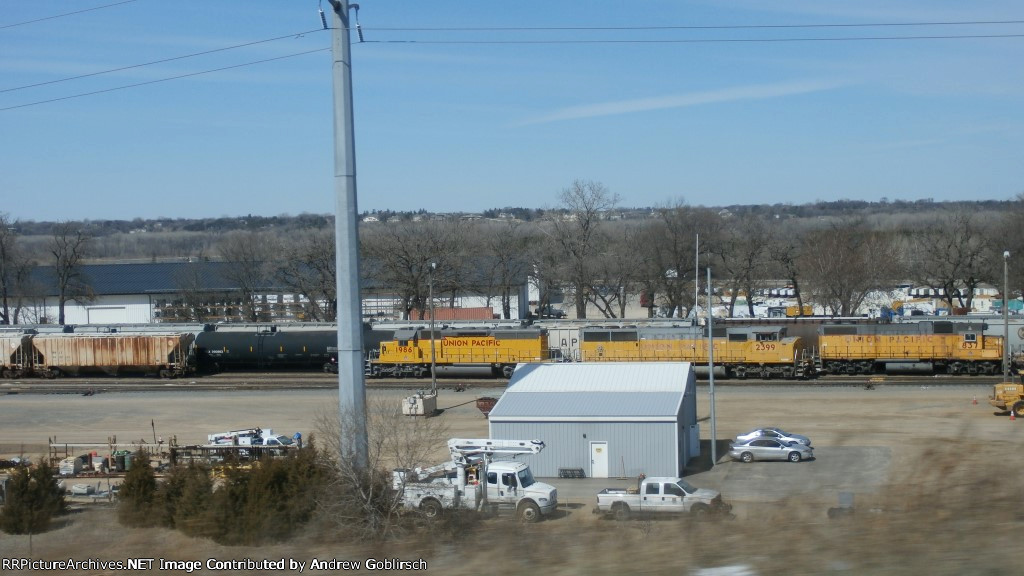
[{"x": 602, "y": 419}]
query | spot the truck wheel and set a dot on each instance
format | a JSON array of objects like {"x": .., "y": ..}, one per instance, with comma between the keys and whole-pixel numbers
[
  {"x": 621, "y": 512},
  {"x": 747, "y": 457},
  {"x": 700, "y": 511},
  {"x": 794, "y": 456},
  {"x": 507, "y": 370},
  {"x": 529, "y": 512},
  {"x": 431, "y": 508},
  {"x": 1018, "y": 409}
]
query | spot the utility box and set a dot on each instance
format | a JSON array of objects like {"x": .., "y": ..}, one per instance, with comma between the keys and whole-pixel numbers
[{"x": 420, "y": 404}]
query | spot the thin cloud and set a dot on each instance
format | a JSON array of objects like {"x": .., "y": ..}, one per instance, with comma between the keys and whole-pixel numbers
[{"x": 755, "y": 92}]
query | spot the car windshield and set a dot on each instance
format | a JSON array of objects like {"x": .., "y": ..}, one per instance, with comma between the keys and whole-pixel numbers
[
  {"x": 686, "y": 486},
  {"x": 526, "y": 478}
]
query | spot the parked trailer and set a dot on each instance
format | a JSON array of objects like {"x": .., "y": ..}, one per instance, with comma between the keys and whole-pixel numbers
[{"x": 165, "y": 354}]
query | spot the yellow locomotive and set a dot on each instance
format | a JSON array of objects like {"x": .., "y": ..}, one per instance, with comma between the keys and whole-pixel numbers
[
  {"x": 740, "y": 352},
  {"x": 940, "y": 346},
  {"x": 497, "y": 350}
]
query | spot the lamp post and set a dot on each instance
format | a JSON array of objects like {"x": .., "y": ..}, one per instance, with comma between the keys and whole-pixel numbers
[
  {"x": 433, "y": 363},
  {"x": 1006, "y": 316}
]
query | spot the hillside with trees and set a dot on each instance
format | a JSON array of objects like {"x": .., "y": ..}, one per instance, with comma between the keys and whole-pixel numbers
[{"x": 589, "y": 249}]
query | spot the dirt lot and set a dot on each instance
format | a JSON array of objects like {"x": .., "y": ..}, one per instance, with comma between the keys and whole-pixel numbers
[{"x": 933, "y": 475}]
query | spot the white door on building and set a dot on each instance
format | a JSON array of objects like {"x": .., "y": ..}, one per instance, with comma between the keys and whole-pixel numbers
[{"x": 599, "y": 459}]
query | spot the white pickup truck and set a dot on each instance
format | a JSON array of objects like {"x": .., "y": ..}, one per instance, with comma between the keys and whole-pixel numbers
[{"x": 660, "y": 495}]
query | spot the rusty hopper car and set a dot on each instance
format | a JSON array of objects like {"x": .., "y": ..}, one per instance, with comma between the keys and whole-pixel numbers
[
  {"x": 15, "y": 360},
  {"x": 163, "y": 353},
  {"x": 494, "y": 350},
  {"x": 739, "y": 352},
  {"x": 944, "y": 347}
]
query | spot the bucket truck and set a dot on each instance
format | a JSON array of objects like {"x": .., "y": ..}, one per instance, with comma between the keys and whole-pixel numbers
[{"x": 472, "y": 479}]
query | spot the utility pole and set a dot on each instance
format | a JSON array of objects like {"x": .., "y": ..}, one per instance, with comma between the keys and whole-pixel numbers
[
  {"x": 1006, "y": 316},
  {"x": 711, "y": 376},
  {"x": 351, "y": 384}
]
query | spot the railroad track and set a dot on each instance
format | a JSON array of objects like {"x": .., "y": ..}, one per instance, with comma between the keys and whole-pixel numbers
[{"x": 315, "y": 380}]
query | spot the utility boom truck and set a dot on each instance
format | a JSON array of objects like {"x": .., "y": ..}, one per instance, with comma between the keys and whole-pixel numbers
[
  {"x": 471, "y": 479},
  {"x": 660, "y": 496},
  {"x": 249, "y": 437}
]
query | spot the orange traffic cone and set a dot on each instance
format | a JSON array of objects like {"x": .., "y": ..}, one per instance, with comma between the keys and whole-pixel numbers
[
  {"x": 974, "y": 401},
  {"x": 1012, "y": 416}
]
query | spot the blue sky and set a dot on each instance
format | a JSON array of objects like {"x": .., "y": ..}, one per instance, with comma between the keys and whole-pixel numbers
[{"x": 469, "y": 105}]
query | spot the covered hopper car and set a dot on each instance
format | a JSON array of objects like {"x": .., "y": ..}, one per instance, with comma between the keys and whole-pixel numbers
[{"x": 50, "y": 355}]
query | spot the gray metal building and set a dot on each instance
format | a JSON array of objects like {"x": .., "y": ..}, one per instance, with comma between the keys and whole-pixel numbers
[{"x": 604, "y": 419}]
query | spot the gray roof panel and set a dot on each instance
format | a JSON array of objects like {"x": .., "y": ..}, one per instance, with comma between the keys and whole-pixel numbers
[{"x": 594, "y": 391}]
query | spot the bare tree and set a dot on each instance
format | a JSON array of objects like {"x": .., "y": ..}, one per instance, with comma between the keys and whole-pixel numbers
[
  {"x": 849, "y": 260},
  {"x": 616, "y": 272},
  {"x": 668, "y": 249},
  {"x": 364, "y": 503},
  {"x": 505, "y": 250},
  {"x": 308, "y": 269},
  {"x": 785, "y": 246},
  {"x": 399, "y": 256},
  {"x": 952, "y": 254},
  {"x": 13, "y": 269},
  {"x": 69, "y": 245},
  {"x": 250, "y": 257},
  {"x": 743, "y": 258},
  {"x": 581, "y": 237},
  {"x": 545, "y": 256}
]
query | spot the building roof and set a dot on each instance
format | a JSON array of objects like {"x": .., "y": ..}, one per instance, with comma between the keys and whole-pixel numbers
[{"x": 594, "y": 391}]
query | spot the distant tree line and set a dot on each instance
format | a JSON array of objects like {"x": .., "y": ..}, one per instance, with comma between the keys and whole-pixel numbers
[{"x": 587, "y": 250}]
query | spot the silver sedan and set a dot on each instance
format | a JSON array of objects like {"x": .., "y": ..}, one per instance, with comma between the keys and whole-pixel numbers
[
  {"x": 769, "y": 449},
  {"x": 776, "y": 433}
]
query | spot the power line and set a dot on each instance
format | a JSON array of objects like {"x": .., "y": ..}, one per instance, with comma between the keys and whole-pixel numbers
[
  {"x": 159, "y": 61},
  {"x": 719, "y": 27},
  {"x": 709, "y": 40},
  {"x": 65, "y": 14},
  {"x": 537, "y": 42},
  {"x": 163, "y": 79}
]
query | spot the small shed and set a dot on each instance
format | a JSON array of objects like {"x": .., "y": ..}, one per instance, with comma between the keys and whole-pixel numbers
[{"x": 602, "y": 419}]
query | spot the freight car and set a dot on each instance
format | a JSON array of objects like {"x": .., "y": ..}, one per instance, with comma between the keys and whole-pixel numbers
[
  {"x": 16, "y": 359},
  {"x": 266, "y": 347},
  {"x": 50, "y": 355},
  {"x": 495, "y": 351},
  {"x": 739, "y": 352},
  {"x": 947, "y": 347}
]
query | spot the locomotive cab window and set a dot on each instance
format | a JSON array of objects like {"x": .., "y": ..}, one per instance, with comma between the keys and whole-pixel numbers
[{"x": 970, "y": 337}]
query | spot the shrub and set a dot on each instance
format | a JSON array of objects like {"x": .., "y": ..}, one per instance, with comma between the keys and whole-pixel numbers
[
  {"x": 34, "y": 496},
  {"x": 137, "y": 497}
]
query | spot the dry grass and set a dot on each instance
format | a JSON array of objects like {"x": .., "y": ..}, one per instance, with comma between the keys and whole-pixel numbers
[
  {"x": 949, "y": 507},
  {"x": 956, "y": 518}
]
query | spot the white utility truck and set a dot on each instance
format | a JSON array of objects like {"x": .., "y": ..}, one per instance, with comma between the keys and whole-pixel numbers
[
  {"x": 660, "y": 495},
  {"x": 471, "y": 479}
]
